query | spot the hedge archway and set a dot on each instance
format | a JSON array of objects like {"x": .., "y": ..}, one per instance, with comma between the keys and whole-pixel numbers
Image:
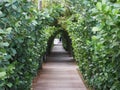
[{"x": 67, "y": 43}]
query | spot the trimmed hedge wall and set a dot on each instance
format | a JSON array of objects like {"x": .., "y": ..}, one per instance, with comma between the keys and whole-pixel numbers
[
  {"x": 24, "y": 33},
  {"x": 94, "y": 28}
]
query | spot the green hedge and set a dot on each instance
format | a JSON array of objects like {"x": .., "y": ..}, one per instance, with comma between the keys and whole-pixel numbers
[
  {"x": 95, "y": 33},
  {"x": 23, "y": 43}
]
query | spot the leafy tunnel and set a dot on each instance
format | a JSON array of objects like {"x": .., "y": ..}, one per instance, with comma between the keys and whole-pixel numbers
[
  {"x": 90, "y": 31},
  {"x": 67, "y": 43}
]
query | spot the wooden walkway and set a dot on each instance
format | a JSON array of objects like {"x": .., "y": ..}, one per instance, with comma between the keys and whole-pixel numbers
[{"x": 59, "y": 73}]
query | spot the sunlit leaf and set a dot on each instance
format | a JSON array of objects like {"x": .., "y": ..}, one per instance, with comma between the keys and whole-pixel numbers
[{"x": 99, "y": 5}]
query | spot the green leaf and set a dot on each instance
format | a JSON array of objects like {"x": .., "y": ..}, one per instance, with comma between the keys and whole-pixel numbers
[
  {"x": 1, "y": 38},
  {"x": 94, "y": 38},
  {"x": 14, "y": 7},
  {"x": 11, "y": 1},
  {"x": 104, "y": 1},
  {"x": 9, "y": 85},
  {"x": 5, "y": 44},
  {"x": 107, "y": 8},
  {"x": 7, "y": 57},
  {"x": 2, "y": 44},
  {"x": 13, "y": 51},
  {"x": 1, "y": 14},
  {"x": 95, "y": 29},
  {"x": 99, "y": 6},
  {"x": 34, "y": 22},
  {"x": 8, "y": 30},
  {"x": 1, "y": 31},
  {"x": 2, "y": 74},
  {"x": 115, "y": 11}
]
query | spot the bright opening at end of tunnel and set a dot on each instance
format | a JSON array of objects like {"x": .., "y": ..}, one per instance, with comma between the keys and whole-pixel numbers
[{"x": 56, "y": 41}]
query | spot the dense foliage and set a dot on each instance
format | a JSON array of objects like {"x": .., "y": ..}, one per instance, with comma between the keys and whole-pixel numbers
[
  {"x": 23, "y": 39},
  {"x": 93, "y": 27}
]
